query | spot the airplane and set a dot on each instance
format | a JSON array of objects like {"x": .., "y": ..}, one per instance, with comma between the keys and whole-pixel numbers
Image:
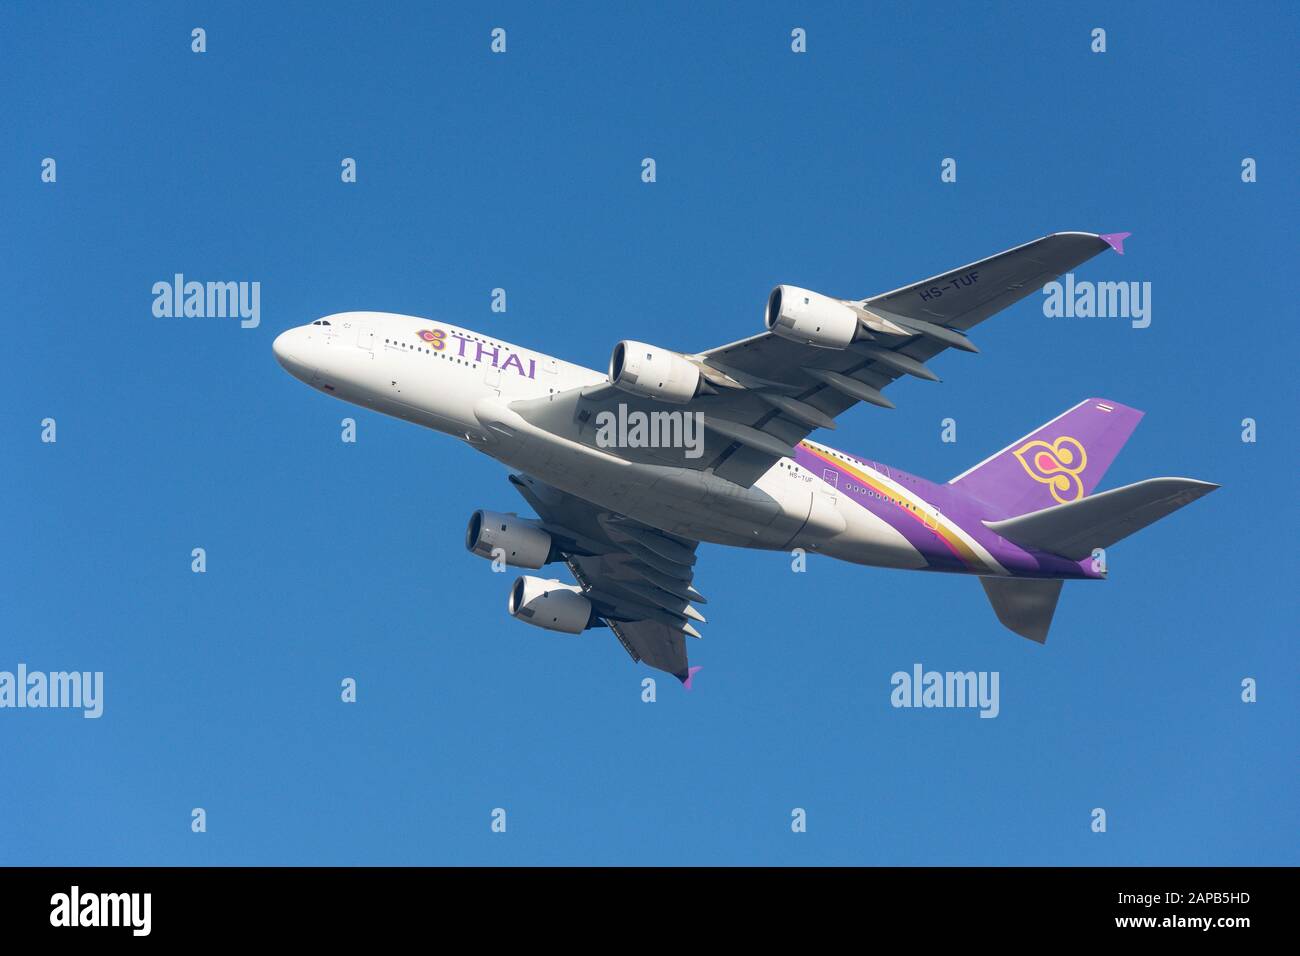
[{"x": 626, "y": 513}]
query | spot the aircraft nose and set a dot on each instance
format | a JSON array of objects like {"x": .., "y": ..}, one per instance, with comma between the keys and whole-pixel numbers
[
  {"x": 281, "y": 348},
  {"x": 290, "y": 353}
]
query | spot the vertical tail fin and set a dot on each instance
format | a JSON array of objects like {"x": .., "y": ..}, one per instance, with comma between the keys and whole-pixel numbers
[{"x": 1058, "y": 463}]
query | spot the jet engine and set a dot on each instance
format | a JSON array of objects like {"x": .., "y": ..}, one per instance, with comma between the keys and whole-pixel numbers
[
  {"x": 524, "y": 545},
  {"x": 810, "y": 318},
  {"x": 549, "y": 604},
  {"x": 652, "y": 372}
]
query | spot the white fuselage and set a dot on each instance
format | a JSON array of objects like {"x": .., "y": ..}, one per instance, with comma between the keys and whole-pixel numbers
[{"x": 462, "y": 383}]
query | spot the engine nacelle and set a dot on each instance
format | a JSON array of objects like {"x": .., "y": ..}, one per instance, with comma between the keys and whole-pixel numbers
[
  {"x": 549, "y": 604},
  {"x": 810, "y": 318},
  {"x": 523, "y": 544},
  {"x": 652, "y": 372}
]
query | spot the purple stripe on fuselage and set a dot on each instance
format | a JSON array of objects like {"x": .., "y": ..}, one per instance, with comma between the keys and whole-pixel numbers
[
  {"x": 953, "y": 508},
  {"x": 938, "y": 556}
]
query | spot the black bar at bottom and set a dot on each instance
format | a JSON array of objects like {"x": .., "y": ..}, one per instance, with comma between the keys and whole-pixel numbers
[{"x": 363, "y": 904}]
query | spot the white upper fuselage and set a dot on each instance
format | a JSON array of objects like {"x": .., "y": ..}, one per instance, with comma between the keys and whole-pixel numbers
[{"x": 462, "y": 383}]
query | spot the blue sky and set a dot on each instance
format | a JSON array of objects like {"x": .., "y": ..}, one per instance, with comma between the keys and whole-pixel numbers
[{"x": 522, "y": 171}]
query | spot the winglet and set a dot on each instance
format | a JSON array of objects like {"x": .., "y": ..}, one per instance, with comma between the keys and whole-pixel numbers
[
  {"x": 1115, "y": 240},
  {"x": 690, "y": 676}
]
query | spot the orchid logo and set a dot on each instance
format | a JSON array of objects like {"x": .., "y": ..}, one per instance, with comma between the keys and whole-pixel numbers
[
  {"x": 1057, "y": 465},
  {"x": 436, "y": 338}
]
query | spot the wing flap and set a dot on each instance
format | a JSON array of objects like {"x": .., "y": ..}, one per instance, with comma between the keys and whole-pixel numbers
[
  {"x": 638, "y": 578},
  {"x": 654, "y": 645}
]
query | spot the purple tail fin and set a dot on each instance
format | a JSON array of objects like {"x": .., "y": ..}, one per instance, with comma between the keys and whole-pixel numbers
[{"x": 1061, "y": 462}]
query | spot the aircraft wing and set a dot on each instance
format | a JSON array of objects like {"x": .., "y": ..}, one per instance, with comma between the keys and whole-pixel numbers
[
  {"x": 638, "y": 578},
  {"x": 762, "y": 395}
]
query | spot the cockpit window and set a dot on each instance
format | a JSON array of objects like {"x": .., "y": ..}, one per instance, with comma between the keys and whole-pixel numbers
[{"x": 321, "y": 322}]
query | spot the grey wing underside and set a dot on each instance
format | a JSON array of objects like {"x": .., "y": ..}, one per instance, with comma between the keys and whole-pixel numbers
[
  {"x": 765, "y": 370},
  {"x": 638, "y": 578},
  {"x": 1002, "y": 280}
]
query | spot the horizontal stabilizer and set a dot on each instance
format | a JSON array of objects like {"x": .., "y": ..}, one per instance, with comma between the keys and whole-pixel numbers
[
  {"x": 1073, "y": 530},
  {"x": 1025, "y": 605}
]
